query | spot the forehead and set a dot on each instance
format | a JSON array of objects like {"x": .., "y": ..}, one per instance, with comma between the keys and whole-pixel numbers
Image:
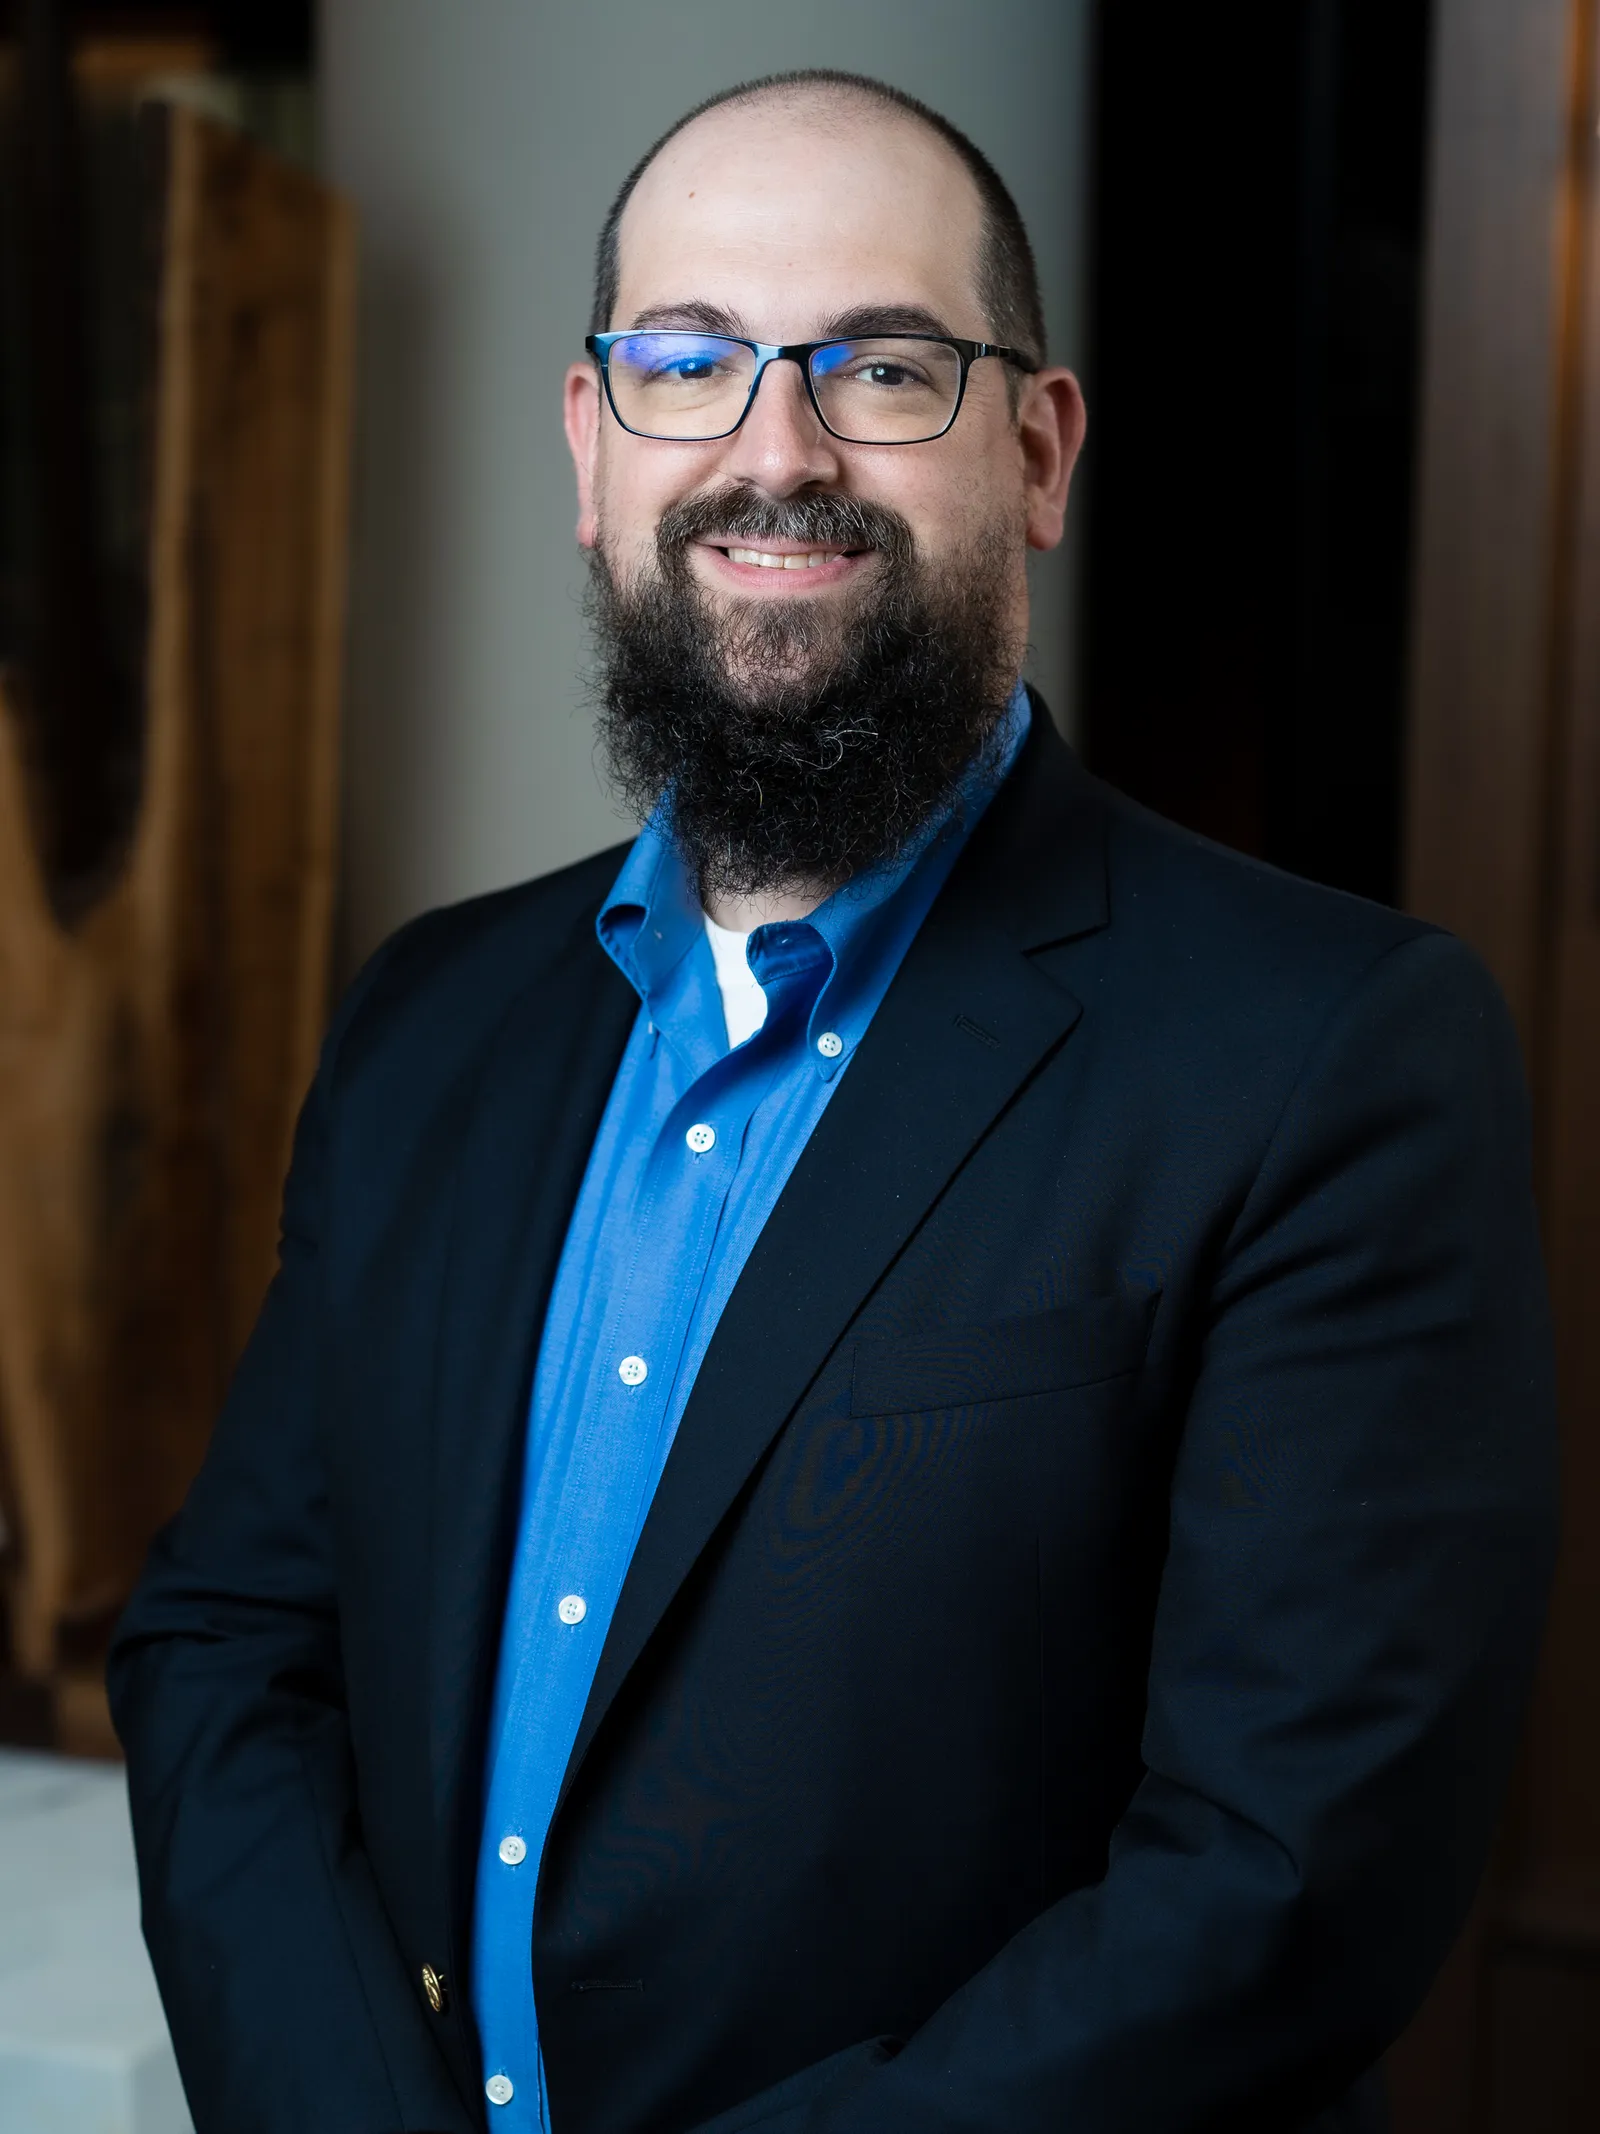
[{"x": 788, "y": 214}]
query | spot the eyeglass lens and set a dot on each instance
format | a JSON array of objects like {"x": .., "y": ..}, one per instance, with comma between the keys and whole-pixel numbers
[{"x": 692, "y": 386}]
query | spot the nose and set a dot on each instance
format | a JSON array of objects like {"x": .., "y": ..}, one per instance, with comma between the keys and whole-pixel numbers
[{"x": 781, "y": 446}]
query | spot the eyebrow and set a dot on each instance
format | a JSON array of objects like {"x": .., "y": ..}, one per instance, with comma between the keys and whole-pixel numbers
[
  {"x": 860, "y": 319},
  {"x": 884, "y": 318},
  {"x": 706, "y": 318}
]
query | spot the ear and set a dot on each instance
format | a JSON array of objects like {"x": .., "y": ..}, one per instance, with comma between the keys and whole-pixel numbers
[
  {"x": 580, "y": 411},
  {"x": 1050, "y": 425}
]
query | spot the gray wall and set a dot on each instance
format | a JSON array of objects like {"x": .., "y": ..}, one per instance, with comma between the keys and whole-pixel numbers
[{"x": 481, "y": 141}]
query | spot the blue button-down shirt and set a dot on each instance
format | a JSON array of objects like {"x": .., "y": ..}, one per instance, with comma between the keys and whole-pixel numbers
[{"x": 695, "y": 1146}]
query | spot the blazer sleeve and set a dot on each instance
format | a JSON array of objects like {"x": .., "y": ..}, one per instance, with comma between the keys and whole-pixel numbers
[
  {"x": 1361, "y": 1540},
  {"x": 290, "y": 2009}
]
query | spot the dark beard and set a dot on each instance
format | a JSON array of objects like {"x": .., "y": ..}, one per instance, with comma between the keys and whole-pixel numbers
[{"x": 794, "y": 748}]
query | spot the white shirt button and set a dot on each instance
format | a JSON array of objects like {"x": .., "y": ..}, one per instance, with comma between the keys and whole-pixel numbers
[
  {"x": 572, "y": 1608},
  {"x": 701, "y": 1138},
  {"x": 513, "y": 1851},
  {"x": 830, "y": 1044},
  {"x": 633, "y": 1370},
  {"x": 498, "y": 2089}
]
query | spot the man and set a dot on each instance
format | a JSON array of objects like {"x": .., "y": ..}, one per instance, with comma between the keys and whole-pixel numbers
[{"x": 899, "y": 1475}]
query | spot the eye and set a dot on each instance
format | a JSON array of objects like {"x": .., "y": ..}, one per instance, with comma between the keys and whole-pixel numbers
[
  {"x": 886, "y": 371},
  {"x": 674, "y": 359},
  {"x": 689, "y": 368}
]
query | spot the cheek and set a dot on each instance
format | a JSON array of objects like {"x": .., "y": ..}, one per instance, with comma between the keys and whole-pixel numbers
[
  {"x": 968, "y": 504},
  {"x": 994, "y": 500},
  {"x": 954, "y": 490},
  {"x": 633, "y": 487}
]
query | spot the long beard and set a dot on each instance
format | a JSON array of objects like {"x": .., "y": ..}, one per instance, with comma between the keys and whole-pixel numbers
[{"x": 795, "y": 745}]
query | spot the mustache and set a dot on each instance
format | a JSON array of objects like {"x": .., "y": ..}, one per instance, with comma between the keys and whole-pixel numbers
[{"x": 823, "y": 519}]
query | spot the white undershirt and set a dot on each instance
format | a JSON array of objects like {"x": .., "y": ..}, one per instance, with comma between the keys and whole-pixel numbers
[{"x": 744, "y": 1005}]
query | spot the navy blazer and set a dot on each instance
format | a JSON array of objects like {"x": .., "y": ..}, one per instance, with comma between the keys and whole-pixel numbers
[{"x": 1073, "y": 1660}]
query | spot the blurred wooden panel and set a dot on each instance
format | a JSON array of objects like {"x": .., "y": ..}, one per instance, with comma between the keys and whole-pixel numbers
[
  {"x": 1488, "y": 480},
  {"x": 256, "y": 559},
  {"x": 1563, "y": 1800},
  {"x": 1504, "y": 847},
  {"x": 153, "y": 1055}
]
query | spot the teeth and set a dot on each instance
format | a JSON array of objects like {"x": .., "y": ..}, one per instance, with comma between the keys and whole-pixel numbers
[{"x": 764, "y": 559}]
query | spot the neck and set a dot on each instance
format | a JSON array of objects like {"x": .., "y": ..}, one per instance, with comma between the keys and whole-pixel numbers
[{"x": 741, "y": 915}]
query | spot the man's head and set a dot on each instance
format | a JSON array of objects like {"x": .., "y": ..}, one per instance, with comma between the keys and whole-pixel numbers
[{"x": 806, "y": 716}]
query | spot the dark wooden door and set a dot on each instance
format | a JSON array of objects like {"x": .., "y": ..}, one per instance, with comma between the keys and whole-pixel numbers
[{"x": 1503, "y": 846}]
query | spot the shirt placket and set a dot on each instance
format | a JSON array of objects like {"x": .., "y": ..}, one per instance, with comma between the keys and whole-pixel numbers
[{"x": 617, "y": 1457}]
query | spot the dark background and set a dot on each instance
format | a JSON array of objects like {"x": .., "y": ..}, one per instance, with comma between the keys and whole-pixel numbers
[
  {"x": 1257, "y": 241},
  {"x": 248, "y": 34}
]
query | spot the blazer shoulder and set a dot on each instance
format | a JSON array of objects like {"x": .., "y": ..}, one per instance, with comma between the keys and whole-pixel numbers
[
  {"x": 455, "y": 969},
  {"x": 1240, "y": 983},
  {"x": 1226, "y": 914}
]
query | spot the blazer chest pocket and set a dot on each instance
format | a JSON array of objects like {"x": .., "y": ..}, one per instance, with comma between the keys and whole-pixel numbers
[{"x": 1079, "y": 1344}]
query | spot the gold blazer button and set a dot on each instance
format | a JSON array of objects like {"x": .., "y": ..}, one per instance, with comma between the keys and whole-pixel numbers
[{"x": 435, "y": 1988}]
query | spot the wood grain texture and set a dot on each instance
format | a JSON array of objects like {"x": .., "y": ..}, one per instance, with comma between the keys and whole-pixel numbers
[{"x": 152, "y": 1058}]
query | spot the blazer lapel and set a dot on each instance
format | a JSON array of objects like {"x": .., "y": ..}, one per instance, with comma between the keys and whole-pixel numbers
[
  {"x": 967, "y": 1022},
  {"x": 544, "y": 1086}
]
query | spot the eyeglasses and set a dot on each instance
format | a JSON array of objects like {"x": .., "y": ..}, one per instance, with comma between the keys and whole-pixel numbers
[{"x": 881, "y": 389}]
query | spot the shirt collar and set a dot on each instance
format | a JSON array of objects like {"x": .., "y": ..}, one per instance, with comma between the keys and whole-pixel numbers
[{"x": 652, "y": 918}]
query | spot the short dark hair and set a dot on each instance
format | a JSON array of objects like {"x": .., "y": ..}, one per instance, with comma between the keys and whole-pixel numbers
[{"x": 1008, "y": 280}]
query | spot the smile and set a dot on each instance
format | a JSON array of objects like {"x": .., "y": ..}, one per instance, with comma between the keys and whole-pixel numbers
[
  {"x": 779, "y": 569},
  {"x": 767, "y": 559}
]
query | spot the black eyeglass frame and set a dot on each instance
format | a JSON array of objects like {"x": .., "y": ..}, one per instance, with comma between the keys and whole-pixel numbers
[{"x": 599, "y": 345}]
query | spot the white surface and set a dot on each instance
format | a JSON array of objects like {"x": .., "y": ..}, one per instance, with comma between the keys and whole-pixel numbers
[
  {"x": 744, "y": 1003},
  {"x": 481, "y": 143},
  {"x": 83, "y": 2043}
]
